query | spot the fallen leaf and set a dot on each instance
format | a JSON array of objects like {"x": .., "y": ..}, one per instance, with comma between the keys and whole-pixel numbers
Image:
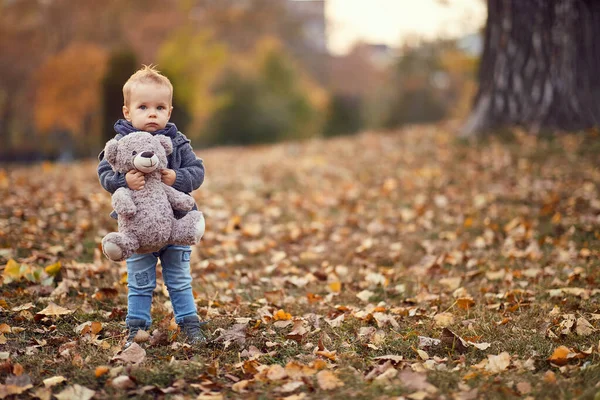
[
  {"x": 443, "y": 320},
  {"x": 54, "y": 310},
  {"x": 75, "y": 392},
  {"x": 240, "y": 387},
  {"x": 281, "y": 315},
  {"x": 290, "y": 386},
  {"x": 584, "y": 328},
  {"x": 327, "y": 380},
  {"x": 560, "y": 355},
  {"x": 236, "y": 334},
  {"x": 498, "y": 363},
  {"x": 276, "y": 372},
  {"x": 123, "y": 382},
  {"x": 133, "y": 354},
  {"x": 524, "y": 387},
  {"x": 101, "y": 370},
  {"x": 365, "y": 295},
  {"x": 55, "y": 380},
  {"x": 53, "y": 269}
]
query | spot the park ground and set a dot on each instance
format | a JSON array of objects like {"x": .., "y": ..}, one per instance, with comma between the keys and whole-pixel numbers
[{"x": 405, "y": 264}]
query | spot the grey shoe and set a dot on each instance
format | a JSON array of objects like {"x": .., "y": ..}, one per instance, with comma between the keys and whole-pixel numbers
[
  {"x": 191, "y": 330},
  {"x": 133, "y": 326}
]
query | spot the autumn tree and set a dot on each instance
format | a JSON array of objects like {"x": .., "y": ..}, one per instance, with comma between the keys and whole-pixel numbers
[
  {"x": 266, "y": 98},
  {"x": 539, "y": 66},
  {"x": 68, "y": 92}
]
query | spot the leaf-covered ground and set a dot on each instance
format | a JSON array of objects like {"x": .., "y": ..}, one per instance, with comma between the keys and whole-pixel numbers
[{"x": 377, "y": 266}]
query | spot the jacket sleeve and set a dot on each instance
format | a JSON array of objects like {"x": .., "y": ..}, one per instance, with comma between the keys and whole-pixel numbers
[
  {"x": 109, "y": 179},
  {"x": 191, "y": 173}
]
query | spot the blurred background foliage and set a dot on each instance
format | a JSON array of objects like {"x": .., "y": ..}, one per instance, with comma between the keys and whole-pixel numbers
[{"x": 243, "y": 72}]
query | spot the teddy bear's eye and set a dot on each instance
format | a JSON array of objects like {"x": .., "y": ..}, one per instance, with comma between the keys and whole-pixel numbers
[{"x": 133, "y": 153}]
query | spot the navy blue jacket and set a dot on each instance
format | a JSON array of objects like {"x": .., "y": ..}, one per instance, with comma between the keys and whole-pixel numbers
[{"x": 188, "y": 168}]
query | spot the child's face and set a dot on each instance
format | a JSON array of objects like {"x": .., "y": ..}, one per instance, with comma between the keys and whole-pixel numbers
[{"x": 149, "y": 107}]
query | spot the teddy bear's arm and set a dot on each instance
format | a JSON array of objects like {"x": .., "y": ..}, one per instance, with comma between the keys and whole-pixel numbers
[
  {"x": 123, "y": 203},
  {"x": 179, "y": 201}
]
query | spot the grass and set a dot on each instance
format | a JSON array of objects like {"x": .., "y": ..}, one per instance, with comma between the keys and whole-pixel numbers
[{"x": 400, "y": 215}]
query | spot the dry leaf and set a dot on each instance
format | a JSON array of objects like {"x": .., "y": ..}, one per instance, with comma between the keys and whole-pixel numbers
[
  {"x": 101, "y": 370},
  {"x": 123, "y": 382},
  {"x": 584, "y": 328},
  {"x": 276, "y": 372},
  {"x": 560, "y": 356},
  {"x": 55, "y": 380},
  {"x": 327, "y": 380},
  {"x": 133, "y": 354},
  {"x": 54, "y": 310},
  {"x": 240, "y": 387},
  {"x": 75, "y": 392},
  {"x": 498, "y": 363},
  {"x": 443, "y": 320}
]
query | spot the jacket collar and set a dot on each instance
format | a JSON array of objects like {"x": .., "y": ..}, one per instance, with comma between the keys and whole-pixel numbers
[{"x": 124, "y": 127}]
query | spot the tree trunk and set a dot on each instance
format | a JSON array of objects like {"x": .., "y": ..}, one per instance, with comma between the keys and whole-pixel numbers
[{"x": 540, "y": 67}]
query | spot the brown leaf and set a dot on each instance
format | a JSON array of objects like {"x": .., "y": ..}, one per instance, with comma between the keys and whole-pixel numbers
[
  {"x": 452, "y": 340},
  {"x": 133, "y": 354},
  {"x": 54, "y": 310},
  {"x": 327, "y": 380},
  {"x": 236, "y": 334}
]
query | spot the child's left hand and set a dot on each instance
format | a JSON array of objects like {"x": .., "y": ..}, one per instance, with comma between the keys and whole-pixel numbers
[{"x": 168, "y": 176}]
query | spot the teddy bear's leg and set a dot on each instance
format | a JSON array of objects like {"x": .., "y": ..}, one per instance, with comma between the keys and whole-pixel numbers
[
  {"x": 189, "y": 229},
  {"x": 119, "y": 246}
]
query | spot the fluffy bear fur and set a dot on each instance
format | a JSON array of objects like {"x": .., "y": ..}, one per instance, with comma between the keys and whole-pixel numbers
[{"x": 146, "y": 221}]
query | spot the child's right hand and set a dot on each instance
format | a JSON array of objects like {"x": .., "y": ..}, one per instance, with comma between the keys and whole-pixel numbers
[{"x": 135, "y": 180}]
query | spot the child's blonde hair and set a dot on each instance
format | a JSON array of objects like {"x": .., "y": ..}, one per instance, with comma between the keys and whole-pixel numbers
[{"x": 146, "y": 74}]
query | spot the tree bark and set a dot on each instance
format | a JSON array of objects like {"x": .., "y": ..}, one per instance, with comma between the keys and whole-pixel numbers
[{"x": 540, "y": 67}]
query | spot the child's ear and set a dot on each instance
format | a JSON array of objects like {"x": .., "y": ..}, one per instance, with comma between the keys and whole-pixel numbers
[
  {"x": 110, "y": 151},
  {"x": 166, "y": 143},
  {"x": 126, "y": 113}
]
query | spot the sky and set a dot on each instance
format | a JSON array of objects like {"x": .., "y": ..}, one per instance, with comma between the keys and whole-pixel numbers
[{"x": 393, "y": 21}]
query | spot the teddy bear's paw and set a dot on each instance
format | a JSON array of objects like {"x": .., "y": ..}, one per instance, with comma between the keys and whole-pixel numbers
[
  {"x": 112, "y": 251},
  {"x": 200, "y": 227}
]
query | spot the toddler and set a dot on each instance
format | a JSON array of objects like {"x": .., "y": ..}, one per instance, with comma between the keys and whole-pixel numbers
[{"x": 147, "y": 107}]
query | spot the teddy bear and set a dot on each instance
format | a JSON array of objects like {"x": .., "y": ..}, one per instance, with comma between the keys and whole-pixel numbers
[{"x": 145, "y": 217}]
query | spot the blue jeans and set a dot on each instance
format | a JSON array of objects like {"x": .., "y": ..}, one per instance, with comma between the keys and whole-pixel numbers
[{"x": 141, "y": 281}]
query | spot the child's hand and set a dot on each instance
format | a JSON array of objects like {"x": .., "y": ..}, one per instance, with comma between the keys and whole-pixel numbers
[
  {"x": 168, "y": 176},
  {"x": 135, "y": 180}
]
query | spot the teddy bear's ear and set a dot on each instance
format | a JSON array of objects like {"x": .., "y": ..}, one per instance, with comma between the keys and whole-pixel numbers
[
  {"x": 166, "y": 143},
  {"x": 110, "y": 151}
]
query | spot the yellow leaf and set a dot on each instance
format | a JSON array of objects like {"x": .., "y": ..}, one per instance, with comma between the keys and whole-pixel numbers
[
  {"x": 12, "y": 270},
  {"x": 4, "y": 328},
  {"x": 335, "y": 287},
  {"x": 281, "y": 315},
  {"x": 53, "y": 269}
]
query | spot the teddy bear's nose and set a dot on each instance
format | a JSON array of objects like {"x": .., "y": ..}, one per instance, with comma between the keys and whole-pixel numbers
[{"x": 147, "y": 154}]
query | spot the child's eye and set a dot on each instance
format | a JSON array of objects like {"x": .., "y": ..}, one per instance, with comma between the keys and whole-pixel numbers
[
  {"x": 160, "y": 108},
  {"x": 133, "y": 153},
  {"x": 142, "y": 107}
]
